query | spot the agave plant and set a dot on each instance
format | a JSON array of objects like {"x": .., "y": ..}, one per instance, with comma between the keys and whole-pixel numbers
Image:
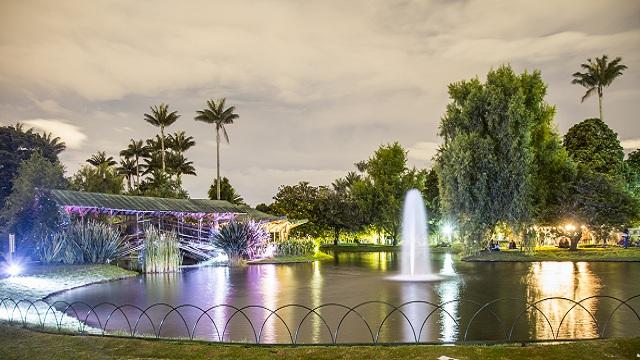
[
  {"x": 241, "y": 240},
  {"x": 82, "y": 243}
]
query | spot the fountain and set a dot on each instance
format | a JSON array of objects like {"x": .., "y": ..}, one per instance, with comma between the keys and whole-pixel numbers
[{"x": 415, "y": 258}]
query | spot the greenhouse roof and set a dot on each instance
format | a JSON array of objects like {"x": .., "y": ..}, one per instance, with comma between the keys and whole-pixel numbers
[{"x": 80, "y": 201}]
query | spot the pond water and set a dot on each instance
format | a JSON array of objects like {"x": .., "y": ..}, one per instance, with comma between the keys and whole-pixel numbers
[{"x": 353, "y": 278}]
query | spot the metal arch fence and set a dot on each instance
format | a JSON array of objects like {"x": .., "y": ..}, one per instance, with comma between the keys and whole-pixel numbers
[{"x": 81, "y": 317}]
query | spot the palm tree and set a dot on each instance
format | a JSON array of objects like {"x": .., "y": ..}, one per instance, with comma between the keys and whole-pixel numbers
[
  {"x": 180, "y": 142},
  {"x": 135, "y": 150},
  {"x": 161, "y": 117},
  {"x": 216, "y": 114},
  {"x": 54, "y": 143},
  {"x": 101, "y": 159},
  {"x": 129, "y": 169},
  {"x": 179, "y": 165},
  {"x": 598, "y": 75}
]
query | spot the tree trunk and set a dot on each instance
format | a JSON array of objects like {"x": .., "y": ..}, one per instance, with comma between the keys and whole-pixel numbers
[
  {"x": 600, "y": 104},
  {"x": 218, "y": 162},
  {"x": 162, "y": 146},
  {"x": 336, "y": 239},
  {"x": 137, "y": 171}
]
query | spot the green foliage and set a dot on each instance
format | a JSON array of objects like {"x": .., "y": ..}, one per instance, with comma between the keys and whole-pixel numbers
[
  {"x": 101, "y": 179},
  {"x": 298, "y": 202},
  {"x": 18, "y": 144},
  {"x": 295, "y": 247},
  {"x": 161, "y": 251},
  {"x": 595, "y": 147},
  {"x": 632, "y": 167},
  {"x": 241, "y": 240},
  {"x": 227, "y": 192},
  {"x": 23, "y": 215},
  {"x": 337, "y": 209},
  {"x": 487, "y": 159},
  {"x": 381, "y": 191},
  {"x": 431, "y": 196},
  {"x": 81, "y": 243},
  {"x": 161, "y": 117}
]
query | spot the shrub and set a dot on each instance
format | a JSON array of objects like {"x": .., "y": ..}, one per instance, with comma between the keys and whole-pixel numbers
[
  {"x": 82, "y": 243},
  {"x": 161, "y": 251},
  {"x": 241, "y": 240},
  {"x": 295, "y": 248}
]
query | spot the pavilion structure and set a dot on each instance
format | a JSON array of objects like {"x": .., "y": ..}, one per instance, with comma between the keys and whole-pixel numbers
[{"x": 192, "y": 220}]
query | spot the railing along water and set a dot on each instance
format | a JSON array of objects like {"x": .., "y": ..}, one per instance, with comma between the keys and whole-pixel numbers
[{"x": 333, "y": 323}]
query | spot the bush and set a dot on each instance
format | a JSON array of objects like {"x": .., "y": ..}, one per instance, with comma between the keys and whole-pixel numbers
[
  {"x": 161, "y": 251},
  {"x": 82, "y": 243},
  {"x": 241, "y": 240},
  {"x": 295, "y": 248}
]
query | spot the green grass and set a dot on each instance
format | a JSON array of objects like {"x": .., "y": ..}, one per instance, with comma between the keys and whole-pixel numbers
[
  {"x": 293, "y": 259},
  {"x": 17, "y": 343},
  {"x": 351, "y": 247},
  {"x": 40, "y": 281},
  {"x": 556, "y": 254}
]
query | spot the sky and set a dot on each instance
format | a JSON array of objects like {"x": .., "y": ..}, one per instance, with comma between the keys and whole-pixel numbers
[{"x": 318, "y": 85}]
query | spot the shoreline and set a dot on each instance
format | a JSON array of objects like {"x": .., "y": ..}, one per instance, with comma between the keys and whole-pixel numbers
[
  {"x": 618, "y": 255},
  {"x": 320, "y": 256}
]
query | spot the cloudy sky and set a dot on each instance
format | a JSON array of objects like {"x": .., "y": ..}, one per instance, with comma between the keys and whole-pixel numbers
[{"x": 318, "y": 85}]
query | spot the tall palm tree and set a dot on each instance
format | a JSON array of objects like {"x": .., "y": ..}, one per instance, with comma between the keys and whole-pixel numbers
[
  {"x": 161, "y": 117},
  {"x": 598, "y": 75},
  {"x": 216, "y": 114},
  {"x": 135, "y": 150},
  {"x": 54, "y": 143},
  {"x": 180, "y": 165}
]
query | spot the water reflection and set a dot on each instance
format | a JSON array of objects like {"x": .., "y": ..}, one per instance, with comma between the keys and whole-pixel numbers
[
  {"x": 353, "y": 278},
  {"x": 568, "y": 280}
]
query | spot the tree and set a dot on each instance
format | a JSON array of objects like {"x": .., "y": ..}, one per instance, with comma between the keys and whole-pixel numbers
[
  {"x": 485, "y": 164},
  {"x": 633, "y": 172},
  {"x": 102, "y": 179},
  {"x": 264, "y": 208},
  {"x": 161, "y": 117},
  {"x": 600, "y": 196},
  {"x": 23, "y": 215},
  {"x": 337, "y": 209},
  {"x": 179, "y": 165},
  {"x": 431, "y": 196},
  {"x": 298, "y": 202},
  {"x": 179, "y": 142},
  {"x": 381, "y": 192},
  {"x": 18, "y": 144},
  {"x": 160, "y": 184},
  {"x": 135, "y": 150},
  {"x": 100, "y": 159},
  {"x": 218, "y": 115},
  {"x": 598, "y": 75},
  {"x": 595, "y": 148},
  {"x": 127, "y": 168},
  {"x": 227, "y": 192}
]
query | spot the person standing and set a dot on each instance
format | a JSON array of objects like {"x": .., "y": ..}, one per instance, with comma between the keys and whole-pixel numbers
[{"x": 625, "y": 238}]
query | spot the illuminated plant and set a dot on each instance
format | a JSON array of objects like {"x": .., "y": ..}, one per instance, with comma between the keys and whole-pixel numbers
[{"x": 241, "y": 241}]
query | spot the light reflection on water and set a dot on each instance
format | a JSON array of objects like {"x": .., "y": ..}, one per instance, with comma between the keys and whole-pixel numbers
[{"x": 352, "y": 278}]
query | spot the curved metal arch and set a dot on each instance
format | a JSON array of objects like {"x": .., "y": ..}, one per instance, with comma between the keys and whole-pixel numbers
[
  {"x": 117, "y": 308},
  {"x": 527, "y": 307},
  {"x": 274, "y": 312},
  {"x": 397, "y": 308},
  {"x": 239, "y": 310},
  {"x": 41, "y": 323},
  {"x": 177, "y": 311},
  {"x": 353, "y": 310},
  {"x": 195, "y": 325},
  {"x": 623, "y": 302},
  {"x": 441, "y": 308},
  {"x": 9, "y": 316},
  {"x": 309, "y": 312},
  {"x": 485, "y": 306}
]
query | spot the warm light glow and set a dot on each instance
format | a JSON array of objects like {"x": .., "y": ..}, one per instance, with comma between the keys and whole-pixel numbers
[
  {"x": 570, "y": 227},
  {"x": 447, "y": 229}
]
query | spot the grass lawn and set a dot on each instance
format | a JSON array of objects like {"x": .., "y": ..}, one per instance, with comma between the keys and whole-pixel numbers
[
  {"x": 293, "y": 259},
  {"x": 18, "y": 343},
  {"x": 556, "y": 254},
  {"x": 40, "y": 281}
]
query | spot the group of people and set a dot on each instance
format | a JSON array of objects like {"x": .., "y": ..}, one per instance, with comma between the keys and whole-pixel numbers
[{"x": 495, "y": 246}]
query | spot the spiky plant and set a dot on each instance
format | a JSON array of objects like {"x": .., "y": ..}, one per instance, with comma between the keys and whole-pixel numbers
[
  {"x": 241, "y": 241},
  {"x": 90, "y": 242},
  {"x": 161, "y": 251}
]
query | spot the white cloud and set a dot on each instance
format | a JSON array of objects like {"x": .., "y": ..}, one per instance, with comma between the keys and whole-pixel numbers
[
  {"x": 631, "y": 144},
  {"x": 72, "y": 135},
  {"x": 424, "y": 150}
]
